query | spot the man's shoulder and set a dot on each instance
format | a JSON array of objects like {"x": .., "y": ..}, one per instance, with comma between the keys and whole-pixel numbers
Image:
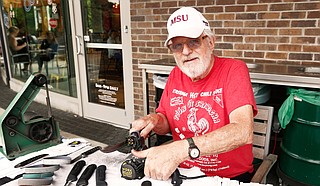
[
  {"x": 227, "y": 59},
  {"x": 230, "y": 62}
]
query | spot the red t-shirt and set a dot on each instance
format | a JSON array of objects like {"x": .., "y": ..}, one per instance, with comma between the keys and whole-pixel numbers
[{"x": 197, "y": 108}]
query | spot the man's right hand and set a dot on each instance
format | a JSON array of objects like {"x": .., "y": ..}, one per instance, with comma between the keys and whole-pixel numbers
[{"x": 145, "y": 124}]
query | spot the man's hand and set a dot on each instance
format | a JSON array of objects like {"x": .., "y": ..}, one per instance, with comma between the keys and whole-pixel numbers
[
  {"x": 156, "y": 122},
  {"x": 162, "y": 161},
  {"x": 145, "y": 124}
]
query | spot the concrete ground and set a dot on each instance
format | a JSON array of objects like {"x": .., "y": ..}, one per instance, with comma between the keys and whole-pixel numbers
[{"x": 70, "y": 124}]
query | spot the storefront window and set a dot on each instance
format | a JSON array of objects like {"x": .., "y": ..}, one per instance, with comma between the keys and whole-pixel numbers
[{"x": 36, "y": 36}]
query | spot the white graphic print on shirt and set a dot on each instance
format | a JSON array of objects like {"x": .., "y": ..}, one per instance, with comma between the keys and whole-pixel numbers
[
  {"x": 190, "y": 105},
  {"x": 198, "y": 126}
]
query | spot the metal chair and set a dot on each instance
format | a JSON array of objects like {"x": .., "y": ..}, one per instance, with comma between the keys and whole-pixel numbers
[{"x": 19, "y": 59}]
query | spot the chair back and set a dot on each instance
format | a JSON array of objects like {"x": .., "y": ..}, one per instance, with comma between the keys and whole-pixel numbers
[
  {"x": 19, "y": 57},
  {"x": 262, "y": 130}
]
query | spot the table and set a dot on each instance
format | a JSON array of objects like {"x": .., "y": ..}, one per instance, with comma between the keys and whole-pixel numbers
[{"x": 113, "y": 176}]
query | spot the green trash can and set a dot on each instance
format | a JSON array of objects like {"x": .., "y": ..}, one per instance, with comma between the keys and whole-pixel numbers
[{"x": 299, "y": 159}]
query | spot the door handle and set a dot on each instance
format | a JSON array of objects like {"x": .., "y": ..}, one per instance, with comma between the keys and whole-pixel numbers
[{"x": 78, "y": 45}]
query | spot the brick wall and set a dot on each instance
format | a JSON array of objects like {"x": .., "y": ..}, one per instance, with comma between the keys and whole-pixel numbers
[{"x": 256, "y": 31}]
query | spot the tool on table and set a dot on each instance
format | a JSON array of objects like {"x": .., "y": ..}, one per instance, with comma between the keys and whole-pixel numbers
[
  {"x": 56, "y": 160},
  {"x": 37, "y": 175},
  {"x": 146, "y": 183},
  {"x": 41, "y": 168},
  {"x": 74, "y": 143},
  {"x": 35, "y": 182},
  {"x": 61, "y": 159},
  {"x": 176, "y": 178},
  {"x": 20, "y": 135},
  {"x": 101, "y": 176},
  {"x": 86, "y": 153},
  {"x": 134, "y": 140},
  {"x": 133, "y": 167},
  {"x": 85, "y": 176},
  {"x": 30, "y": 160},
  {"x": 76, "y": 169}
]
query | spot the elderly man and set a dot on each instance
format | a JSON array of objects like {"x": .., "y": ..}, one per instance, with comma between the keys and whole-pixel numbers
[{"x": 207, "y": 105}]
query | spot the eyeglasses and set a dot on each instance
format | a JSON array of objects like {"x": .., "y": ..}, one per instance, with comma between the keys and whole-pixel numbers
[{"x": 191, "y": 43}]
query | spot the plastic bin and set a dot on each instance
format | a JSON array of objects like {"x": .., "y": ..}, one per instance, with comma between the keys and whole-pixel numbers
[
  {"x": 299, "y": 159},
  {"x": 159, "y": 81},
  {"x": 261, "y": 93}
]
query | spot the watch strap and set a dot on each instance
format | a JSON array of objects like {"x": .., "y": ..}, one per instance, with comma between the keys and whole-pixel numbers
[
  {"x": 191, "y": 143},
  {"x": 193, "y": 148}
]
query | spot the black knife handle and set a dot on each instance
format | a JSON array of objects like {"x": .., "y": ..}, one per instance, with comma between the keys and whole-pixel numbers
[
  {"x": 85, "y": 154},
  {"x": 85, "y": 176},
  {"x": 76, "y": 169},
  {"x": 101, "y": 176},
  {"x": 30, "y": 160}
]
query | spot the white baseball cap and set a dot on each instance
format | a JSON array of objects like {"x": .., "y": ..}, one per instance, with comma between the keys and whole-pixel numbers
[{"x": 186, "y": 22}]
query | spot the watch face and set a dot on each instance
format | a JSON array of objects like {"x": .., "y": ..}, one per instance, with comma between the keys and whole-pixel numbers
[{"x": 194, "y": 153}]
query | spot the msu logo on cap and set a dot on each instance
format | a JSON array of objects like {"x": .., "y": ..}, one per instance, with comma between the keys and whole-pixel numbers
[{"x": 179, "y": 18}]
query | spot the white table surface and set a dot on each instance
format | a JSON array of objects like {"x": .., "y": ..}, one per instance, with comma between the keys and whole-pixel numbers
[{"x": 113, "y": 163}]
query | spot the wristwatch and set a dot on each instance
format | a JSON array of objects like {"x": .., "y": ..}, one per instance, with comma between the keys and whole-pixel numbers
[{"x": 194, "y": 151}]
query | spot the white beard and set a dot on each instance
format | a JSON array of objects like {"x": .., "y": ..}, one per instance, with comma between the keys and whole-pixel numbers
[{"x": 196, "y": 70}]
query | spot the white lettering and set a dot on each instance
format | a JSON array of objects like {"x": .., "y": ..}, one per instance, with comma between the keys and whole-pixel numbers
[
  {"x": 179, "y": 92},
  {"x": 205, "y": 94},
  {"x": 193, "y": 95}
]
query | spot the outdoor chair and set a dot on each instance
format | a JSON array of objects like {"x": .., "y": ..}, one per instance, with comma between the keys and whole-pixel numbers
[
  {"x": 19, "y": 60},
  {"x": 261, "y": 140}
]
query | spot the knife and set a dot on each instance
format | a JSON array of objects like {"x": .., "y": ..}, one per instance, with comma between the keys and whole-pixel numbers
[
  {"x": 101, "y": 176},
  {"x": 76, "y": 169},
  {"x": 86, "y": 153},
  {"x": 30, "y": 160},
  {"x": 85, "y": 176}
]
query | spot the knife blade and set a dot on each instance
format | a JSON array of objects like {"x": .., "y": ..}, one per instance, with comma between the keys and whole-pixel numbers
[
  {"x": 86, "y": 153},
  {"x": 113, "y": 148}
]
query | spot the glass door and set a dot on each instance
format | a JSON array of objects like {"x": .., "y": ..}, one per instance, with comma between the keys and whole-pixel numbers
[{"x": 102, "y": 39}]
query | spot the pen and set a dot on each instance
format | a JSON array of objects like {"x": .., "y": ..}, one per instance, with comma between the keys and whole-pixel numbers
[{"x": 30, "y": 160}]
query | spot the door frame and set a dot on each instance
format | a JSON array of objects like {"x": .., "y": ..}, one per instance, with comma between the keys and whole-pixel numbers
[{"x": 115, "y": 116}]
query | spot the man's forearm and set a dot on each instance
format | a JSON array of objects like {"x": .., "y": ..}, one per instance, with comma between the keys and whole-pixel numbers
[
  {"x": 223, "y": 140},
  {"x": 239, "y": 132}
]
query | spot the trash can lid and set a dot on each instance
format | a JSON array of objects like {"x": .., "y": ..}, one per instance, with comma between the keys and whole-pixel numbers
[{"x": 159, "y": 81}]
